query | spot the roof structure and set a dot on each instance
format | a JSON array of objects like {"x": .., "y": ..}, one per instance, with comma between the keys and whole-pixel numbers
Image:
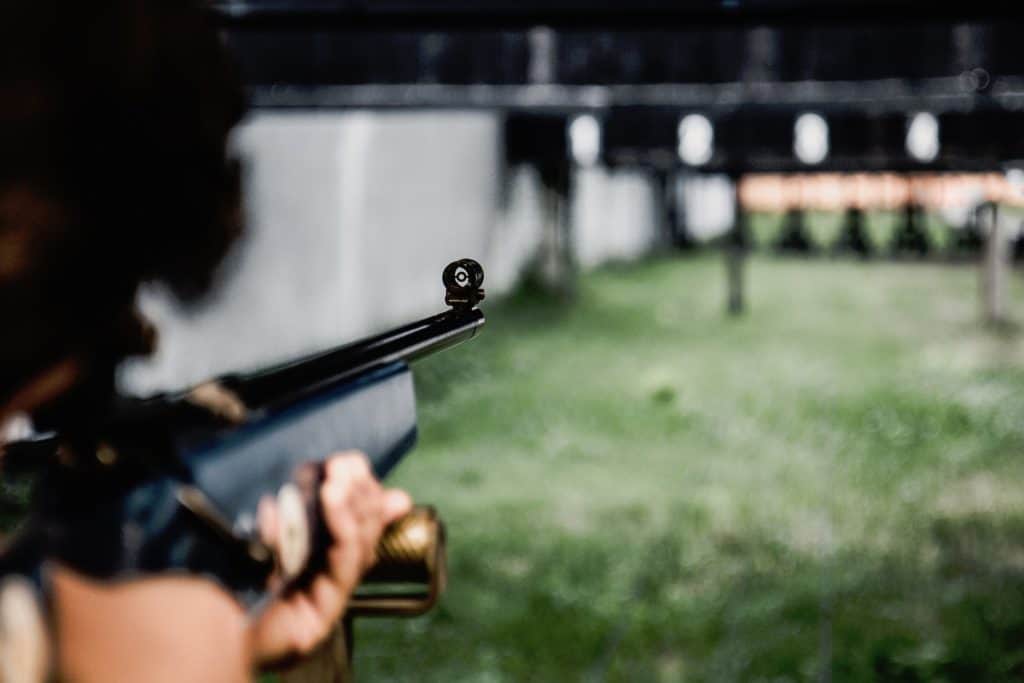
[{"x": 751, "y": 68}]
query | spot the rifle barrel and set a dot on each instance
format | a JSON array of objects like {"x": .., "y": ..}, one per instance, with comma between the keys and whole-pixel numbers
[{"x": 293, "y": 379}]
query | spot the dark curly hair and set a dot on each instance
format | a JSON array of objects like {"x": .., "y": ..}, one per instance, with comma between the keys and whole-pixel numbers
[{"x": 114, "y": 167}]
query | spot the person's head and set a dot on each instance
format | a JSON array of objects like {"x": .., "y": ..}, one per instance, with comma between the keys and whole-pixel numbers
[{"x": 114, "y": 118}]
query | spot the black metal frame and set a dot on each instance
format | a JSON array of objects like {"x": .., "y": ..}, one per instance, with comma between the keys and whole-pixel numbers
[{"x": 432, "y": 14}]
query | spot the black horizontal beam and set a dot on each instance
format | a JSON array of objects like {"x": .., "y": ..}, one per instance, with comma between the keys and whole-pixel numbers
[
  {"x": 512, "y": 14},
  {"x": 744, "y": 63},
  {"x": 936, "y": 95},
  {"x": 685, "y": 66},
  {"x": 762, "y": 139}
]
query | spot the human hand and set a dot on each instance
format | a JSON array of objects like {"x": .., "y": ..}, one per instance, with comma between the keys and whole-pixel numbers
[{"x": 356, "y": 511}]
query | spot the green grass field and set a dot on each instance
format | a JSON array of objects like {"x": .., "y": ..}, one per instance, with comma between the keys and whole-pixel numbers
[{"x": 638, "y": 488}]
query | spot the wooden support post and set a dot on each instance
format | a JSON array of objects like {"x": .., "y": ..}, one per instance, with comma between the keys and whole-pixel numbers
[
  {"x": 665, "y": 196},
  {"x": 995, "y": 265},
  {"x": 557, "y": 268},
  {"x": 677, "y": 233},
  {"x": 794, "y": 238},
  {"x": 854, "y": 238},
  {"x": 736, "y": 244},
  {"x": 910, "y": 238}
]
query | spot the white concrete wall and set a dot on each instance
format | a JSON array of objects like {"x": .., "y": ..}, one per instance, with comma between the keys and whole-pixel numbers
[
  {"x": 617, "y": 215},
  {"x": 351, "y": 218}
]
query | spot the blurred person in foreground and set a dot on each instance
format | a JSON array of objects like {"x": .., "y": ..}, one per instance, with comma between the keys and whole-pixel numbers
[{"x": 114, "y": 171}]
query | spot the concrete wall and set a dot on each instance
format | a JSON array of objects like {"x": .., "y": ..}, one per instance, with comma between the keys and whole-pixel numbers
[{"x": 617, "y": 215}]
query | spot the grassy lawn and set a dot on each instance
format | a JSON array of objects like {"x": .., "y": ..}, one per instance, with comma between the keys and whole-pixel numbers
[{"x": 640, "y": 489}]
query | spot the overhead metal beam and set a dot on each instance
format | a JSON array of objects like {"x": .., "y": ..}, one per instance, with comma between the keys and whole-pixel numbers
[
  {"x": 750, "y": 65},
  {"x": 946, "y": 66},
  {"x": 935, "y": 95},
  {"x": 435, "y": 14}
]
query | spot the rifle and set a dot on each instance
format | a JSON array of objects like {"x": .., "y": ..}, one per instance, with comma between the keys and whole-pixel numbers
[{"x": 165, "y": 484}]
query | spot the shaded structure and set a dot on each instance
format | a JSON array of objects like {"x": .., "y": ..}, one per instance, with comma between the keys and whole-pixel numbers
[
  {"x": 540, "y": 140},
  {"x": 647, "y": 138},
  {"x": 594, "y": 54},
  {"x": 782, "y": 86},
  {"x": 750, "y": 68}
]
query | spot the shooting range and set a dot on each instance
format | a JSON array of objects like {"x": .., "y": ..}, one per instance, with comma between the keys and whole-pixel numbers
[{"x": 749, "y": 404}]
